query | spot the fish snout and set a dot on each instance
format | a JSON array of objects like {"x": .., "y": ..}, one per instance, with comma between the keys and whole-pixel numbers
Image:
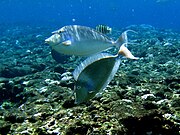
[
  {"x": 54, "y": 39},
  {"x": 47, "y": 41}
]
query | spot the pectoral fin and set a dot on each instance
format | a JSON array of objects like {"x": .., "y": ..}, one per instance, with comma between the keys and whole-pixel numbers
[{"x": 66, "y": 43}]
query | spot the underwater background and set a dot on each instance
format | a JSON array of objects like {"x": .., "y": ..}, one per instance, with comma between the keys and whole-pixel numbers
[
  {"x": 37, "y": 88},
  {"x": 159, "y": 13}
]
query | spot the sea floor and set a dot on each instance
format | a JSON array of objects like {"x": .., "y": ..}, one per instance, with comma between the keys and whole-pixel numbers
[{"x": 36, "y": 92}]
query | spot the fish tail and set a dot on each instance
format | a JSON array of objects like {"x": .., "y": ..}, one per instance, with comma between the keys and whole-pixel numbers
[
  {"x": 125, "y": 52},
  {"x": 123, "y": 38}
]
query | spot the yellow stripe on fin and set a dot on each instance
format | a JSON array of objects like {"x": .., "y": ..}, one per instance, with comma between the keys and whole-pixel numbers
[{"x": 67, "y": 43}]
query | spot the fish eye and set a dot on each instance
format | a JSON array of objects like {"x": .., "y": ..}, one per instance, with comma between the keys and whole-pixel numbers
[
  {"x": 61, "y": 31},
  {"x": 78, "y": 87}
]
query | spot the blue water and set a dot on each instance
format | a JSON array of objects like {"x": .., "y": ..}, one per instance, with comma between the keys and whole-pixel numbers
[{"x": 116, "y": 13}]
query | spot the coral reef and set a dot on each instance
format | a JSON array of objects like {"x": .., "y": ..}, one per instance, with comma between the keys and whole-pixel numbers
[{"x": 36, "y": 92}]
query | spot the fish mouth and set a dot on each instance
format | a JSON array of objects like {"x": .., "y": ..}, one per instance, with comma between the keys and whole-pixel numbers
[
  {"x": 50, "y": 42},
  {"x": 47, "y": 41},
  {"x": 54, "y": 39}
]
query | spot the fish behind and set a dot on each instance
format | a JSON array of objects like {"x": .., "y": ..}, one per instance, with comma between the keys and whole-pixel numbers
[
  {"x": 95, "y": 73},
  {"x": 104, "y": 29},
  {"x": 82, "y": 41}
]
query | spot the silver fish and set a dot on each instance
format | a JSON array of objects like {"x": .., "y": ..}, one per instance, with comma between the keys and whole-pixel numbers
[
  {"x": 104, "y": 29},
  {"x": 82, "y": 41},
  {"x": 95, "y": 73}
]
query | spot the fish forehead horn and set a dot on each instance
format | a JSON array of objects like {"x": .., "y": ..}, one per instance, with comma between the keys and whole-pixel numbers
[{"x": 55, "y": 38}]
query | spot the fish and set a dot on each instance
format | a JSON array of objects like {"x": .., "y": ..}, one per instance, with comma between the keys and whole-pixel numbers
[
  {"x": 104, "y": 29},
  {"x": 82, "y": 41},
  {"x": 95, "y": 73}
]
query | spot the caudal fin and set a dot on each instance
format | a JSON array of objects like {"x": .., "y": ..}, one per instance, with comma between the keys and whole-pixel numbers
[
  {"x": 123, "y": 38},
  {"x": 125, "y": 52}
]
